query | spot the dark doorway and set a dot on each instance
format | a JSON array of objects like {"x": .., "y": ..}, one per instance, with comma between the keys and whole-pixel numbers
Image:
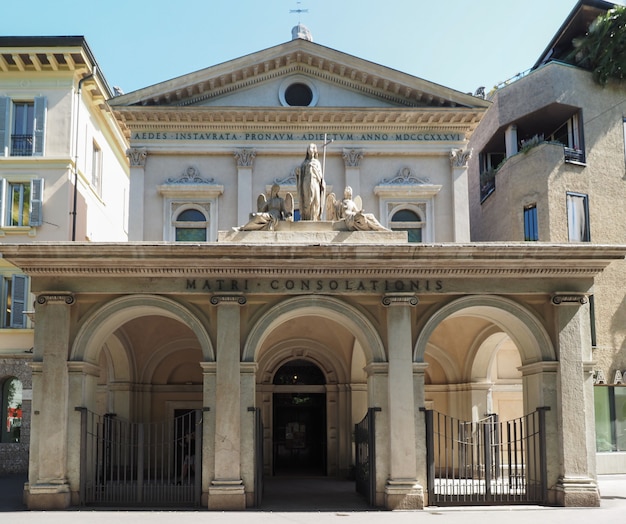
[{"x": 299, "y": 434}]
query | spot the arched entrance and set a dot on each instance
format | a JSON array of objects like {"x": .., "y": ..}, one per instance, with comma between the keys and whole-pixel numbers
[
  {"x": 311, "y": 384},
  {"x": 299, "y": 419},
  {"x": 138, "y": 428},
  {"x": 485, "y": 416}
]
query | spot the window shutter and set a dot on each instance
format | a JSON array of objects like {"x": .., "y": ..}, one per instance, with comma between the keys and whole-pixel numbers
[
  {"x": 40, "y": 125},
  {"x": 4, "y": 124},
  {"x": 19, "y": 292},
  {"x": 36, "y": 202}
]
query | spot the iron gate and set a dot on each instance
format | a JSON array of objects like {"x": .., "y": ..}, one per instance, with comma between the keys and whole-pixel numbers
[
  {"x": 140, "y": 464},
  {"x": 365, "y": 456},
  {"x": 486, "y": 461}
]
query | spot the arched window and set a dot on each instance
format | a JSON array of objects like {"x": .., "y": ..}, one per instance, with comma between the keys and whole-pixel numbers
[
  {"x": 11, "y": 410},
  {"x": 408, "y": 220},
  {"x": 191, "y": 226},
  {"x": 299, "y": 372}
]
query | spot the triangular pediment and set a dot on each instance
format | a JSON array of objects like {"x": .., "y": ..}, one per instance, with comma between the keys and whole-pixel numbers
[{"x": 253, "y": 81}]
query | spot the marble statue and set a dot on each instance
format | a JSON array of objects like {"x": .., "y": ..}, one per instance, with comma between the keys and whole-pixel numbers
[
  {"x": 311, "y": 186},
  {"x": 269, "y": 211},
  {"x": 350, "y": 212}
]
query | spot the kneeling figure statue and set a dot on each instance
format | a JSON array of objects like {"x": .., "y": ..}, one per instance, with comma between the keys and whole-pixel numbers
[{"x": 269, "y": 212}]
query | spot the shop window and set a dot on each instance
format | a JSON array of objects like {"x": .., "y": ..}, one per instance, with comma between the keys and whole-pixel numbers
[
  {"x": 408, "y": 220},
  {"x": 531, "y": 232},
  {"x": 578, "y": 217},
  {"x": 610, "y": 413},
  {"x": 191, "y": 226},
  {"x": 21, "y": 203},
  {"x": 22, "y": 125},
  {"x": 11, "y": 410},
  {"x": 13, "y": 297}
]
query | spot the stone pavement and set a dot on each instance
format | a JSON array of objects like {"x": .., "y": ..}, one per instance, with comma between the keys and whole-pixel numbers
[{"x": 341, "y": 506}]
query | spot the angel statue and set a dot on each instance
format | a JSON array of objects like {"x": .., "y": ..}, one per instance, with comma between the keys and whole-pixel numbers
[
  {"x": 269, "y": 211},
  {"x": 350, "y": 212}
]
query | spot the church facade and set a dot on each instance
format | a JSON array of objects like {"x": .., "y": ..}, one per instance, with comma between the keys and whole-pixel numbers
[{"x": 200, "y": 358}]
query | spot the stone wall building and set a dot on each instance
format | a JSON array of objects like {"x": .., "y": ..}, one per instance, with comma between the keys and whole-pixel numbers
[{"x": 548, "y": 166}]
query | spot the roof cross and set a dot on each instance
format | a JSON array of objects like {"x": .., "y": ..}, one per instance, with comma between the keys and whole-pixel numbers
[{"x": 298, "y": 10}]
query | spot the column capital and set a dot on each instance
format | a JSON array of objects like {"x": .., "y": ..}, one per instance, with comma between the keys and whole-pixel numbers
[
  {"x": 569, "y": 299},
  {"x": 460, "y": 157},
  {"x": 400, "y": 299},
  {"x": 56, "y": 298},
  {"x": 352, "y": 157},
  {"x": 217, "y": 300},
  {"x": 245, "y": 157},
  {"x": 137, "y": 156}
]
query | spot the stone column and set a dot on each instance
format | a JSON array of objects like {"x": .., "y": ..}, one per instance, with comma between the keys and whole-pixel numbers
[
  {"x": 83, "y": 378},
  {"x": 48, "y": 476},
  {"x": 245, "y": 206},
  {"x": 460, "y": 188},
  {"x": 227, "y": 489},
  {"x": 419, "y": 369},
  {"x": 575, "y": 411},
  {"x": 510, "y": 141},
  {"x": 402, "y": 490},
  {"x": 209, "y": 372},
  {"x": 248, "y": 382},
  {"x": 137, "y": 159},
  {"x": 352, "y": 162}
]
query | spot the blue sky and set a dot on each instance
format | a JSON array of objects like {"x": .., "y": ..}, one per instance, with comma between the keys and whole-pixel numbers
[{"x": 460, "y": 44}]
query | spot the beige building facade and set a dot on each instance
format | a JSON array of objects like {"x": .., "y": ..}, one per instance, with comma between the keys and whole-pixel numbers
[
  {"x": 548, "y": 165},
  {"x": 63, "y": 176},
  {"x": 199, "y": 359}
]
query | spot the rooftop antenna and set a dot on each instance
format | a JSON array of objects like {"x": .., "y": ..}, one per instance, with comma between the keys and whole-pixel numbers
[{"x": 298, "y": 10}]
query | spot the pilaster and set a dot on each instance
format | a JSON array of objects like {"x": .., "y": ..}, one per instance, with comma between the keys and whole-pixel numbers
[
  {"x": 352, "y": 162},
  {"x": 49, "y": 487},
  {"x": 459, "y": 159},
  {"x": 245, "y": 161},
  {"x": 137, "y": 158},
  {"x": 402, "y": 490},
  {"x": 576, "y": 485},
  {"x": 226, "y": 491}
]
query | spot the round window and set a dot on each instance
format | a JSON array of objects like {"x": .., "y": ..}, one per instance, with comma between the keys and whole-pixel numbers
[{"x": 298, "y": 94}]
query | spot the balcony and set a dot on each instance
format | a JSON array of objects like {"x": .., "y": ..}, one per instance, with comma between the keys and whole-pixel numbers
[{"x": 21, "y": 145}]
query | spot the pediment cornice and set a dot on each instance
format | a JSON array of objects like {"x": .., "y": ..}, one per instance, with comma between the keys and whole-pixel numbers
[
  {"x": 300, "y": 57},
  {"x": 457, "y": 120}
]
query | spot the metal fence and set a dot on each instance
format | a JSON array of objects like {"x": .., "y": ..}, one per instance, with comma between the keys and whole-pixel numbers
[
  {"x": 140, "y": 464},
  {"x": 365, "y": 456},
  {"x": 486, "y": 461}
]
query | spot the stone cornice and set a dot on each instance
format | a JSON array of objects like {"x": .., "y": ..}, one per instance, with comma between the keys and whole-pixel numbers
[
  {"x": 300, "y": 119},
  {"x": 480, "y": 260}
]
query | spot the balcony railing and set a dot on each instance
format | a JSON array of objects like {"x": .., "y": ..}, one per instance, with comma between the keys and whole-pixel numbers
[
  {"x": 574, "y": 155},
  {"x": 21, "y": 145}
]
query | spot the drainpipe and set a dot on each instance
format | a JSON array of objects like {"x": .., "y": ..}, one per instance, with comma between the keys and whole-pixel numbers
[{"x": 80, "y": 87}]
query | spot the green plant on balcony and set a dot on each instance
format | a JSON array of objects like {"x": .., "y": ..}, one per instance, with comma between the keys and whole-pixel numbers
[
  {"x": 527, "y": 145},
  {"x": 603, "y": 49}
]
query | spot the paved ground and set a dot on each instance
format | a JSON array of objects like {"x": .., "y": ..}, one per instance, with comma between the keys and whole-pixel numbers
[{"x": 333, "y": 502}]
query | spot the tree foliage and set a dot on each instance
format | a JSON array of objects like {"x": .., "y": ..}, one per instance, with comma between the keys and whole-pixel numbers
[{"x": 603, "y": 49}]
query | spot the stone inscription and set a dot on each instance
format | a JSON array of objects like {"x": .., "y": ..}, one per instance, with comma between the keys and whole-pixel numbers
[
  {"x": 306, "y": 285},
  {"x": 306, "y": 137}
]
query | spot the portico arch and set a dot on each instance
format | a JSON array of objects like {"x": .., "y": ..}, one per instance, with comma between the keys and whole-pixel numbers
[
  {"x": 320, "y": 306},
  {"x": 524, "y": 328},
  {"x": 98, "y": 326}
]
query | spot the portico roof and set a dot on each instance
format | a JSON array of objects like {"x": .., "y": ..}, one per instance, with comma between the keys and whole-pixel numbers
[{"x": 149, "y": 259}]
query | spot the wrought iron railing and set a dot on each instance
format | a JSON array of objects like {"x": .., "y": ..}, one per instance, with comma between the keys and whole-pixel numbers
[{"x": 22, "y": 145}]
